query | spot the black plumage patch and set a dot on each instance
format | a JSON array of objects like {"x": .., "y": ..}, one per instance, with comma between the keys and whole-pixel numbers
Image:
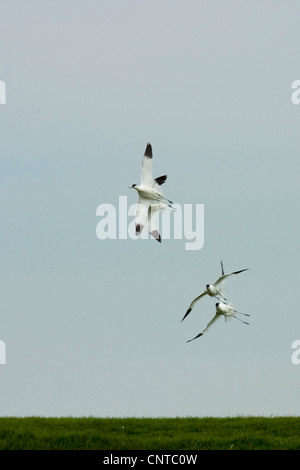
[
  {"x": 156, "y": 235},
  {"x": 148, "y": 151},
  {"x": 161, "y": 179}
]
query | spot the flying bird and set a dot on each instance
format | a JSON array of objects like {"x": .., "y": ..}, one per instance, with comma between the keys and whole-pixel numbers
[
  {"x": 151, "y": 199},
  {"x": 213, "y": 290},
  {"x": 228, "y": 313}
]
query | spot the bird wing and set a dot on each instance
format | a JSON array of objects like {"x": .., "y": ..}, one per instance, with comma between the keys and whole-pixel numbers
[
  {"x": 146, "y": 172},
  {"x": 224, "y": 276},
  {"x": 217, "y": 315},
  {"x": 157, "y": 182},
  {"x": 193, "y": 303},
  {"x": 222, "y": 268},
  {"x": 153, "y": 219},
  {"x": 141, "y": 214},
  {"x": 160, "y": 180}
]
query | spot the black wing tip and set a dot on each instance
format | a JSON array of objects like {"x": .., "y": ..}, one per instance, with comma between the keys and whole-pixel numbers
[
  {"x": 138, "y": 229},
  {"x": 222, "y": 267},
  {"x": 241, "y": 271},
  {"x": 187, "y": 312},
  {"x": 148, "y": 151},
  {"x": 161, "y": 180},
  {"x": 155, "y": 234},
  {"x": 198, "y": 336}
]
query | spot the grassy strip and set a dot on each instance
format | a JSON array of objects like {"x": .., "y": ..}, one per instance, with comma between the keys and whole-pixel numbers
[{"x": 241, "y": 433}]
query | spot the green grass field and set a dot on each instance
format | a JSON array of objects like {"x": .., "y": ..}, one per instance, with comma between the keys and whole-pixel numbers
[{"x": 240, "y": 433}]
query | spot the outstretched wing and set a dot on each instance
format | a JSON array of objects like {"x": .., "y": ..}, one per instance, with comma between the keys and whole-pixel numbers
[
  {"x": 158, "y": 182},
  {"x": 222, "y": 268},
  {"x": 146, "y": 172},
  {"x": 224, "y": 276},
  {"x": 153, "y": 220},
  {"x": 141, "y": 214},
  {"x": 217, "y": 315},
  {"x": 193, "y": 303},
  {"x": 222, "y": 284}
]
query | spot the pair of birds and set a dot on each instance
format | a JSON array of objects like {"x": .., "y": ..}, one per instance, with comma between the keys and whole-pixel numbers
[
  {"x": 151, "y": 201},
  {"x": 222, "y": 308}
]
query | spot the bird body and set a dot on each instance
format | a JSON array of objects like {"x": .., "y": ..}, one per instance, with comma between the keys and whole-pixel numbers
[
  {"x": 211, "y": 290},
  {"x": 224, "y": 309},
  {"x": 151, "y": 199},
  {"x": 148, "y": 192}
]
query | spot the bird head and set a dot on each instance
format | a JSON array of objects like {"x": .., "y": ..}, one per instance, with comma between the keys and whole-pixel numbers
[{"x": 132, "y": 186}]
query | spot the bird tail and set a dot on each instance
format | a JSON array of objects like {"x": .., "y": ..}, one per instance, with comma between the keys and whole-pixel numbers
[{"x": 231, "y": 313}]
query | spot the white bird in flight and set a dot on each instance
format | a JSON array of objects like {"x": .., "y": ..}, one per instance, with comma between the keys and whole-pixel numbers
[
  {"x": 151, "y": 199},
  {"x": 213, "y": 290},
  {"x": 228, "y": 313}
]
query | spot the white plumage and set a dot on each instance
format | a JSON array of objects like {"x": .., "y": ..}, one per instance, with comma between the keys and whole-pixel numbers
[{"x": 151, "y": 199}]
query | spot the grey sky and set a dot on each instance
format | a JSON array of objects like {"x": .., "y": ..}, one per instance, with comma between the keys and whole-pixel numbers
[{"x": 93, "y": 327}]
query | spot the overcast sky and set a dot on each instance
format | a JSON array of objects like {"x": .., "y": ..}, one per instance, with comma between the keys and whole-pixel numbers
[{"x": 93, "y": 327}]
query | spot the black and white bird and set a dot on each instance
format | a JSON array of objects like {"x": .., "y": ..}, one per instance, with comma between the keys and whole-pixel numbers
[
  {"x": 213, "y": 290},
  {"x": 228, "y": 313},
  {"x": 151, "y": 199}
]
